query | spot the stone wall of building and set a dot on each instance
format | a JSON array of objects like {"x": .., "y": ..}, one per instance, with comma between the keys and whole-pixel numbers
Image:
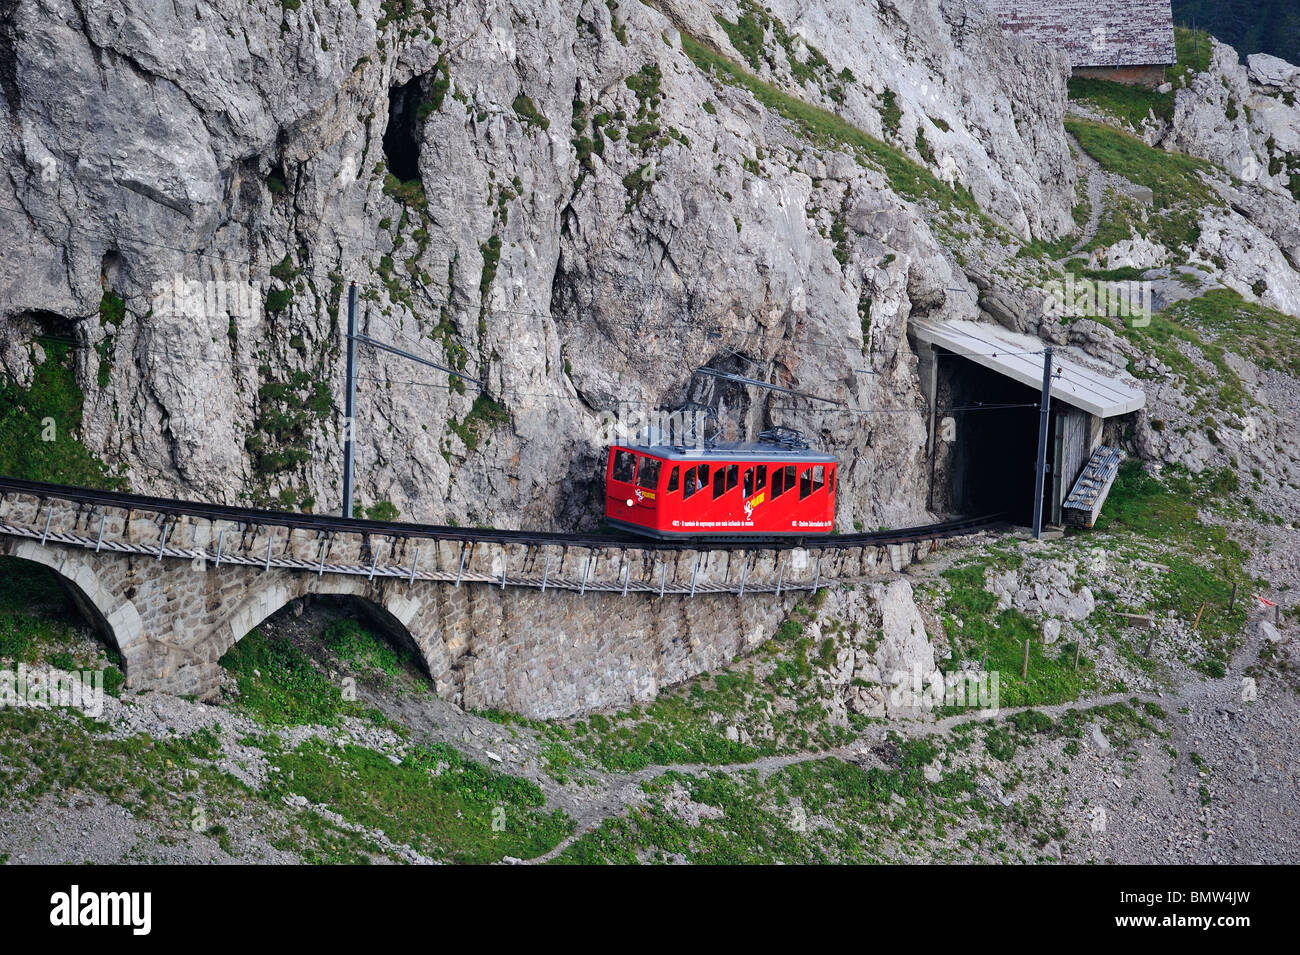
[{"x": 1149, "y": 76}]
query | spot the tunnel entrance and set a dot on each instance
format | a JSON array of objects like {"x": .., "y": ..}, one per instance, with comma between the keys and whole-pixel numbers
[
  {"x": 987, "y": 440},
  {"x": 403, "y": 134},
  {"x": 983, "y": 385}
]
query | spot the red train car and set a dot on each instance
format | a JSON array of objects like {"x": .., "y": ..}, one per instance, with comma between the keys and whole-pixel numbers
[{"x": 740, "y": 490}]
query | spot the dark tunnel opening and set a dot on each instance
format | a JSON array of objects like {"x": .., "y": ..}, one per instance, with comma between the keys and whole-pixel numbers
[{"x": 987, "y": 432}]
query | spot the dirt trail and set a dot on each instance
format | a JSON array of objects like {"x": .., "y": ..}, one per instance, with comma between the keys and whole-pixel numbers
[
  {"x": 1096, "y": 199},
  {"x": 623, "y": 790}
]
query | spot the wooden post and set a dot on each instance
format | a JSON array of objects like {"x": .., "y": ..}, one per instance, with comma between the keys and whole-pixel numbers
[
  {"x": 1198, "y": 617},
  {"x": 1024, "y": 667},
  {"x": 1077, "y": 643},
  {"x": 1232, "y": 601}
]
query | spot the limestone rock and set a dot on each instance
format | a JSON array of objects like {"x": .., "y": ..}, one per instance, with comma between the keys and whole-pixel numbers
[
  {"x": 1051, "y": 631},
  {"x": 1273, "y": 71},
  {"x": 209, "y": 142},
  {"x": 1044, "y": 588},
  {"x": 904, "y": 647}
]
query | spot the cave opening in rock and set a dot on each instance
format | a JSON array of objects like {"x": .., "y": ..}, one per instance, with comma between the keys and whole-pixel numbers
[
  {"x": 48, "y": 328},
  {"x": 402, "y": 137}
]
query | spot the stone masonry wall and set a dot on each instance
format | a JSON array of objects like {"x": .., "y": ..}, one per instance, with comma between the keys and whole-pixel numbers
[{"x": 541, "y": 653}]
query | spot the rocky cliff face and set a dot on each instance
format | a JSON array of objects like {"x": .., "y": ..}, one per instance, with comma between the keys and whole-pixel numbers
[
  {"x": 1246, "y": 119},
  {"x": 560, "y": 199}
]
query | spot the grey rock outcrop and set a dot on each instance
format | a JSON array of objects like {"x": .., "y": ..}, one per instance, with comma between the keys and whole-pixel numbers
[
  {"x": 553, "y": 197},
  {"x": 1043, "y": 588},
  {"x": 1229, "y": 117}
]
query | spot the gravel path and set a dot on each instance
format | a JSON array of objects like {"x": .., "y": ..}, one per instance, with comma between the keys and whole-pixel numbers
[{"x": 1253, "y": 810}]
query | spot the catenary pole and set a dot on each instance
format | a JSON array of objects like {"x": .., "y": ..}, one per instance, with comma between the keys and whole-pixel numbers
[
  {"x": 350, "y": 410},
  {"x": 1040, "y": 464}
]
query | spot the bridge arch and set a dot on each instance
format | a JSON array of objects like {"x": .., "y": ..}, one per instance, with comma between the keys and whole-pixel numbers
[
  {"x": 391, "y": 612},
  {"x": 115, "y": 618}
]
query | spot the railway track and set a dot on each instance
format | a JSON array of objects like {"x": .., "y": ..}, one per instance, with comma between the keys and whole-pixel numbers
[{"x": 331, "y": 524}]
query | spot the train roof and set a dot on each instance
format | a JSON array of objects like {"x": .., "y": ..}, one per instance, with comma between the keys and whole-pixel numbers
[{"x": 738, "y": 451}]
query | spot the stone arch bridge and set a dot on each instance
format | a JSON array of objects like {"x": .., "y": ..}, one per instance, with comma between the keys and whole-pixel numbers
[{"x": 541, "y": 624}]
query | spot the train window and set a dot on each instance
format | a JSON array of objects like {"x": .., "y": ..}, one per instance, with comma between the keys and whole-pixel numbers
[
  {"x": 702, "y": 480},
  {"x": 749, "y": 482},
  {"x": 805, "y": 483},
  {"x": 733, "y": 475},
  {"x": 762, "y": 478},
  {"x": 648, "y": 474},
  {"x": 624, "y": 466},
  {"x": 719, "y": 482},
  {"x": 830, "y": 481},
  {"x": 690, "y": 483},
  {"x": 819, "y": 477},
  {"x": 672, "y": 479},
  {"x": 778, "y": 482},
  {"x": 788, "y": 471}
]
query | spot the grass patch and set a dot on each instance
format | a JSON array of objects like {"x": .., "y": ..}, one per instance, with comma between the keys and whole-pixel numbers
[
  {"x": 486, "y": 413},
  {"x": 279, "y": 685},
  {"x": 1203, "y": 560},
  {"x": 45, "y": 752},
  {"x": 39, "y": 426},
  {"x": 1269, "y": 338},
  {"x": 863, "y": 815},
  {"x": 435, "y": 800},
  {"x": 1180, "y": 193},
  {"x": 997, "y": 640},
  {"x": 362, "y": 650},
  {"x": 1170, "y": 332},
  {"x": 824, "y": 128},
  {"x": 1125, "y": 102},
  {"x": 528, "y": 113}
]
